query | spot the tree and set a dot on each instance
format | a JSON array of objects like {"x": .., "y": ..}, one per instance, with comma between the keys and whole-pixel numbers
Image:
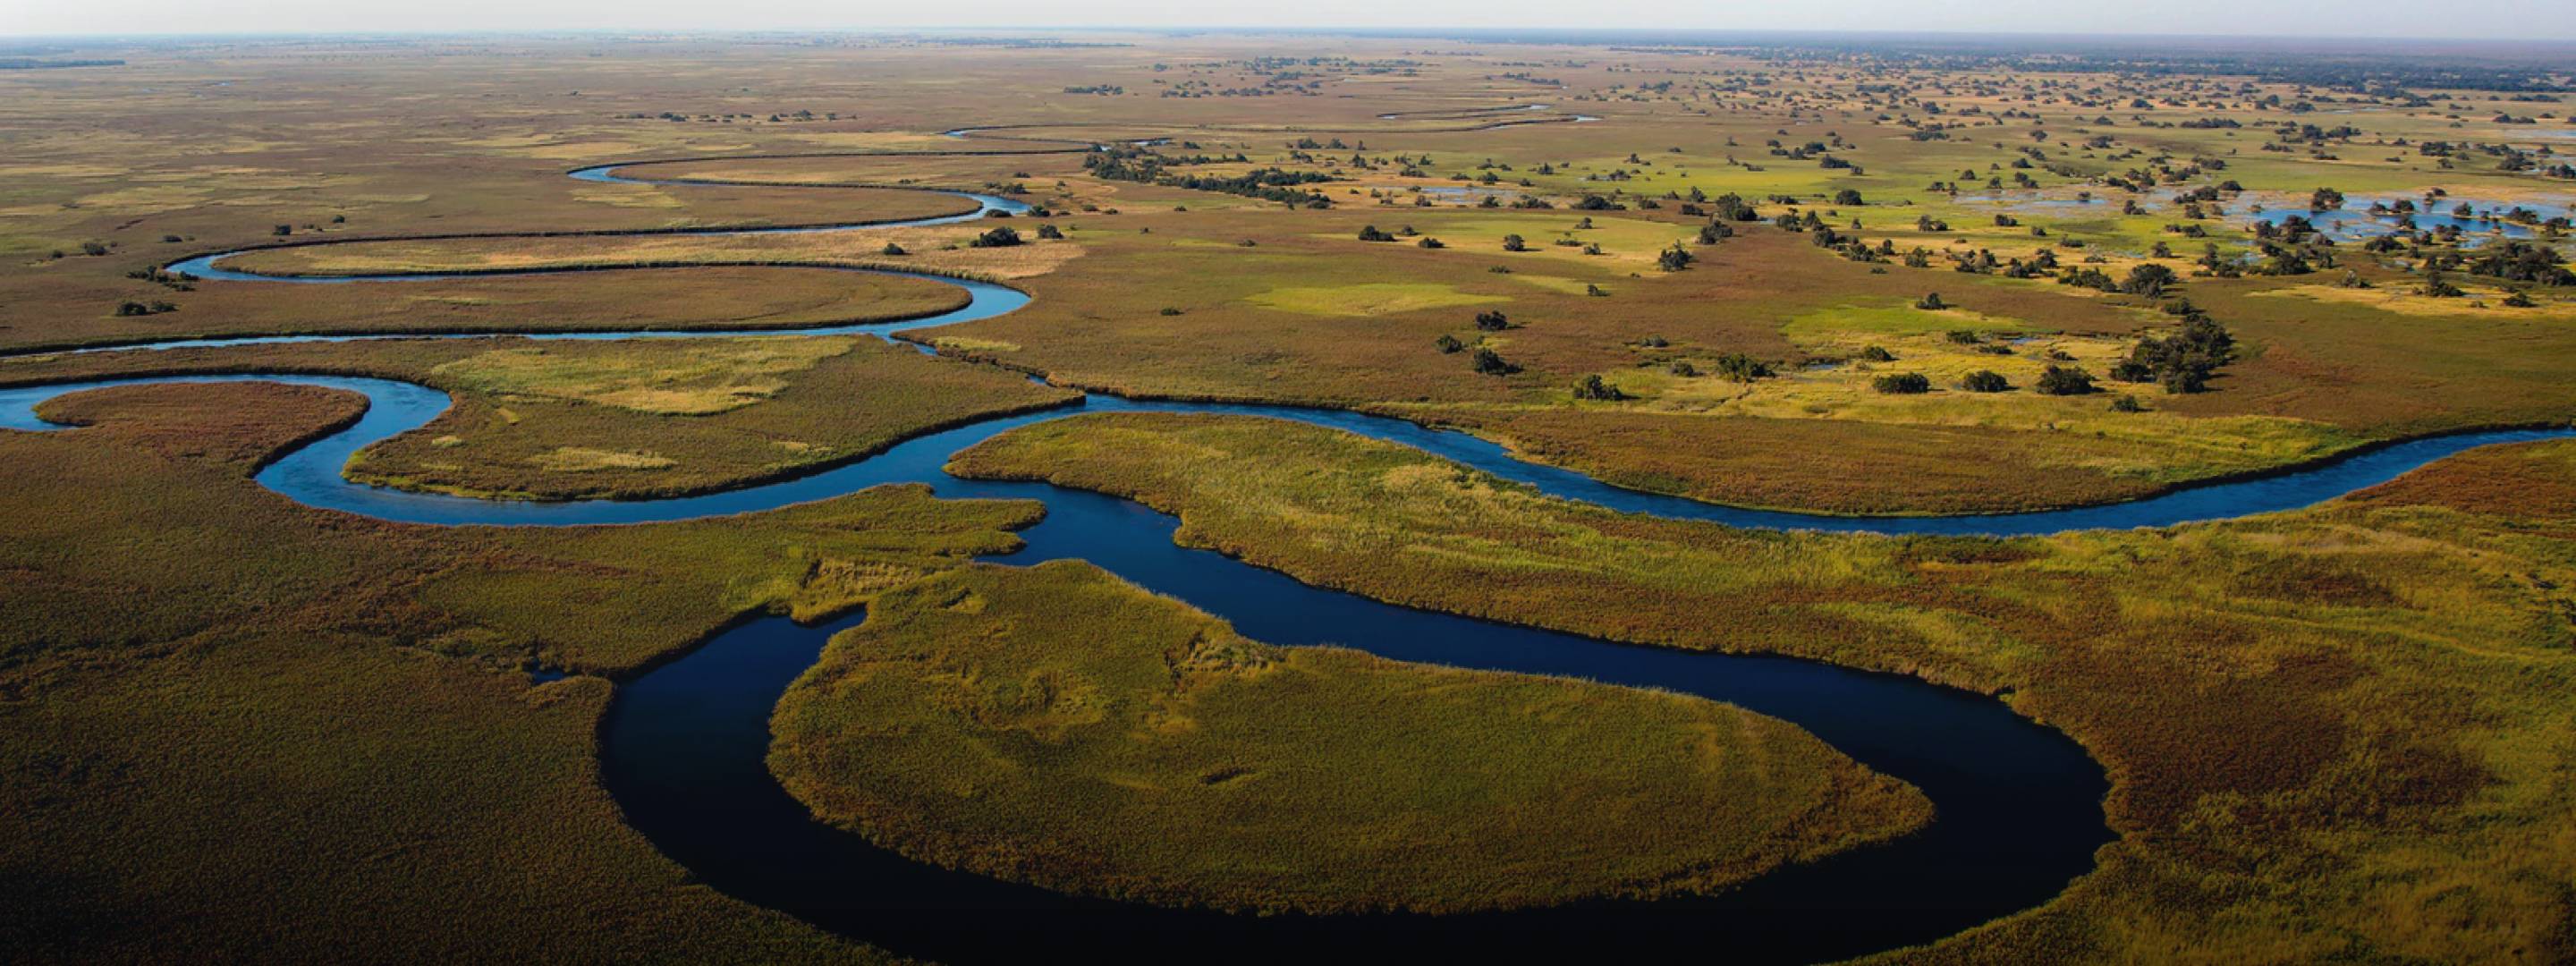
[
  {"x": 1429, "y": 242},
  {"x": 1985, "y": 380},
  {"x": 1372, "y": 234},
  {"x": 1003, "y": 237},
  {"x": 1492, "y": 322},
  {"x": 1876, "y": 354},
  {"x": 893, "y": 249},
  {"x": 2325, "y": 199},
  {"x": 1902, "y": 384},
  {"x": 1050, "y": 232},
  {"x": 1674, "y": 259},
  {"x": 1931, "y": 302},
  {"x": 1488, "y": 362},
  {"x": 1514, "y": 243},
  {"x": 282, "y": 230},
  {"x": 1449, "y": 344},
  {"x": 2148, "y": 279},
  {"x": 1848, "y": 196},
  {"x": 2064, "y": 381},
  {"x": 2182, "y": 362}
]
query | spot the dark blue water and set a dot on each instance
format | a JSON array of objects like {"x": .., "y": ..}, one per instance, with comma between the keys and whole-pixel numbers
[{"x": 684, "y": 745}]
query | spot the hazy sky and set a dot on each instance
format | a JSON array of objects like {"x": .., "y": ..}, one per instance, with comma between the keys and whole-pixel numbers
[{"x": 2505, "y": 19}]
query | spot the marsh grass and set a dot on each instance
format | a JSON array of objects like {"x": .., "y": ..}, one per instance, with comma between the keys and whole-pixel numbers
[
  {"x": 254, "y": 730},
  {"x": 628, "y": 418},
  {"x": 2314, "y": 722},
  {"x": 1059, "y": 726}
]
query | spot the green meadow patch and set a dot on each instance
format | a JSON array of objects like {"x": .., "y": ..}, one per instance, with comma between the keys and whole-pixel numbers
[
  {"x": 1372, "y": 298},
  {"x": 1058, "y": 725},
  {"x": 1894, "y": 320}
]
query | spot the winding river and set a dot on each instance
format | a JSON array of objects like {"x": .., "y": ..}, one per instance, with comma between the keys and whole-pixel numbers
[{"x": 2019, "y": 805}]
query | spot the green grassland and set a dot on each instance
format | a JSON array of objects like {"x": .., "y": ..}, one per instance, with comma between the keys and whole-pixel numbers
[
  {"x": 1028, "y": 722},
  {"x": 2315, "y": 722},
  {"x": 587, "y": 419}
]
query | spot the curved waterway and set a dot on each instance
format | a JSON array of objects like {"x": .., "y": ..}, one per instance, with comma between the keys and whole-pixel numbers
[{"x": 684, "y": 746}]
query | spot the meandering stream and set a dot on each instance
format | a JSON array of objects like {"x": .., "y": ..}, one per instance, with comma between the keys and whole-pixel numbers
[{"x": 2019, "y": 805}]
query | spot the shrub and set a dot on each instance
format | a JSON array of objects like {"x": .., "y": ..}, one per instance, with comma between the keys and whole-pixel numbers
[
  {"x": 2064, "y": 381},
  {"x": 1448, "y": 344},
  {"x": 2127, "y": 404},
  {"x": 1876, "y": 354},
  {"x": 1738, "y": 367},
  {"x": 1985, "y": 380},
  {"x": 893, "y": 249},
  {"x": 1429, "y": 242},
  {"x": 1931, "y": 302},
  {"x": 1050, "y": 232},
  {"x": 1515, "y": 243},
  {"x": 1003, "y": 237},
  {"x": 1488, "y": 362},
  {"x": 1372, "y": 234},
  {"x": 1903, "y": 383},
  {"x": 1492, "y": 322},
  {"x": 1591, "y": 387}
]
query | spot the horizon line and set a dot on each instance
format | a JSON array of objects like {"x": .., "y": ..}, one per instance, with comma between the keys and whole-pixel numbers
[{"x": 1483, "y": 33}]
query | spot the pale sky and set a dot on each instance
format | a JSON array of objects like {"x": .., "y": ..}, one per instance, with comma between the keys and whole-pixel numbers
[{"x": 2498, "y": 19}]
